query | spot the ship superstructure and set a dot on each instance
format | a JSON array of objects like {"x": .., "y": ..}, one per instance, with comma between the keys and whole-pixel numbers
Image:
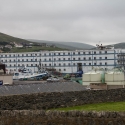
[{"x": 62, "y": 61}]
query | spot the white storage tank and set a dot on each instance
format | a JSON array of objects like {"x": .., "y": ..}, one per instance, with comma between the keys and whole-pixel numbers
[
  {"x": 95, "y": 77},
  {"x": 91, "y": 77},
  {"x": 119, "y": 76},
  {"x": 114, "y": 77},
  {"x": 109, "y": 77},
  {"x": 86, "y": 77}
]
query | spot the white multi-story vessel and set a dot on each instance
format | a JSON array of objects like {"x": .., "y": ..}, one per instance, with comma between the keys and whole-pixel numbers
[{"x": 62, "y": 61}]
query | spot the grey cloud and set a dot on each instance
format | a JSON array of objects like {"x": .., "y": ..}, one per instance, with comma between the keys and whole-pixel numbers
[{"x": 68, "y": 20}]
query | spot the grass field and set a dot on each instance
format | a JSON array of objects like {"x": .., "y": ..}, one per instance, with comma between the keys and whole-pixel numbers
[
  {"x": 109, "y": 106},
  {"x": 35, "y": 48}
]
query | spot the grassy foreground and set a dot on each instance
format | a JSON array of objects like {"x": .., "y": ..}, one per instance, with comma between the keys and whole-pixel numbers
[{"x": 109, "y": 106}]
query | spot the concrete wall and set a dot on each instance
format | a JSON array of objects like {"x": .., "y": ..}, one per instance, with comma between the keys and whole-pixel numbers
[
  {"x": 103, "y": 86},
  {"x": 7, "y": 78},
  {"x": 40, "y": 117},
  {"x": 98, "y": 86}
]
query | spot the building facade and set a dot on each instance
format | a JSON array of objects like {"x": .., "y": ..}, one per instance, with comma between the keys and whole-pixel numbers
[
  {"x": 121, "y": 59},
  {"x": 62, "y": 61}
]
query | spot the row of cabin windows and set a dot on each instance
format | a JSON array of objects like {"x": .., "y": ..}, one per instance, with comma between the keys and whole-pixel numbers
[
  {"x": 74, "y": 58},
  {"x": 54, "y": 64},
  {"x": 96, "y": 63},
  {"x": 74, "y": 64},
  {"x": 20, "y": 60},
  {"x": 22, "y": 65},
  {"x": 94, "y": 58},
  {"x": 21, "y": 55},
  {"x": 50, "y": 59},
  {"x": 79, "y": 53},
  {"x": 75, "y": 53}
]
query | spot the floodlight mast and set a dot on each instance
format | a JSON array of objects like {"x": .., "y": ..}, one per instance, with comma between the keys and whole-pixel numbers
[{"x": 100, "y": 46}]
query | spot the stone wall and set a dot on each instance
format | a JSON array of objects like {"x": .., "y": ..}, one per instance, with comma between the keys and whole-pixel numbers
[
  {"x": 41, "y": 117},
  {"x": 28, "y": 109},
  {"x": 42, "y": 101}
]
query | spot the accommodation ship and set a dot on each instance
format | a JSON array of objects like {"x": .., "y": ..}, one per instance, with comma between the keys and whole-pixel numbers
[{"x": 62, "y": 61}]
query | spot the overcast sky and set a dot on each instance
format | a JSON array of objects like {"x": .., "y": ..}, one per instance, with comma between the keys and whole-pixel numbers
[{"x": 87, "y": 21}]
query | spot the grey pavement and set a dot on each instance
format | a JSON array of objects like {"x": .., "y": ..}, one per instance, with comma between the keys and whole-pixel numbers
[{"x": 28, "y": 87}]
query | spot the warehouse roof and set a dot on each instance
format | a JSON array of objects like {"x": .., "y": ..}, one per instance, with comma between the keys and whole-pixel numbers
[{"x": 40, "y": 88}]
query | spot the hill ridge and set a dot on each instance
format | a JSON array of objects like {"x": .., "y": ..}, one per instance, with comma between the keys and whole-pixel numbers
[
  {"x": 67, "y": 45},
  {"x": 9, "y": 38}
]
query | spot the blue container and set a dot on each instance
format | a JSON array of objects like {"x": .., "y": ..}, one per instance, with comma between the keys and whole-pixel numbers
[{"x": 1, "y": 82}]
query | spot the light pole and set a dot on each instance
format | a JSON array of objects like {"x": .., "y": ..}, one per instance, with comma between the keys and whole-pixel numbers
[
  {"x": 33, "y": 62},
  {"x": 16, "y": 62}
]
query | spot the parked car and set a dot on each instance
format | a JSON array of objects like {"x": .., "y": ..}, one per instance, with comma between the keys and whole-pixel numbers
[{"x": 53, "y": 79}]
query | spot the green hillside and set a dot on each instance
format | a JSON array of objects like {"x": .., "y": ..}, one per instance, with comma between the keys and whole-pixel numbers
[
  {"x": 10, "y": 40},
  {"x": 35, "y": 49},
  {"x": 7, "y": 39},
  {"x": 120, "y": 45},
  {"x": 66, "y": 45}
]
